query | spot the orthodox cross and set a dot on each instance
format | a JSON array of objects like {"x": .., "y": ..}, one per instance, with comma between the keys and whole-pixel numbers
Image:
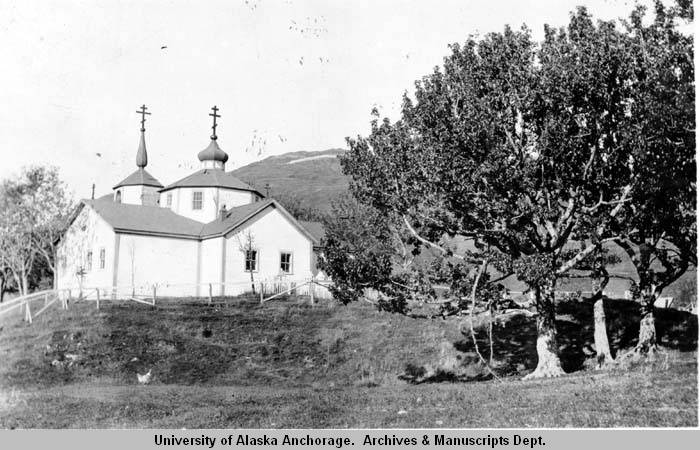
[
  {"x": 213, "y": 127},
  {"x": 143, "y": 113}
]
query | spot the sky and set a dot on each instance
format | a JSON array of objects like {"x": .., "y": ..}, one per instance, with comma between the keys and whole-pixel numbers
[{"x": 287, "y": 75}]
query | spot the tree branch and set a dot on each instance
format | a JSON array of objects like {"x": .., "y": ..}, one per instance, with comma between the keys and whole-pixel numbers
[
  {"x": 570, "y": 264},
  {"x": 431, "y": 244}
]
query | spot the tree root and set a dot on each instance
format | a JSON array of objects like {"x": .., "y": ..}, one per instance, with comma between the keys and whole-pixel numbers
[
  {"x": 646, "y": 349},
  {"x": 545, "y": 372},
  {"x": 604, "y": 361}
]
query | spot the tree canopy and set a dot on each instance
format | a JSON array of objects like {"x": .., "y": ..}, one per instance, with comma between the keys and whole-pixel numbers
[
  {"x": 521, "y": 147},
  {"x": 34, "y": 208}
]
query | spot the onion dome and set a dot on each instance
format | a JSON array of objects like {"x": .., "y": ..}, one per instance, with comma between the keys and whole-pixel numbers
[
  {"x": 213, "y": 156},
  {"x": 141, "y": 177},
  {"x": 213, "y": 152},
  {"x": 141, "y": 156}
]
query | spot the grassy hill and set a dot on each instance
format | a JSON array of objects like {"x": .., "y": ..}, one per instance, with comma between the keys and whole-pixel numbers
[
  {"x": 240, "y": 364},
  {"x": 314, "y": 177}
]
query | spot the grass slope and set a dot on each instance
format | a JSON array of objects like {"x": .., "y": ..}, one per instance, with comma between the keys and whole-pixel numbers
[
  {"x": 287, "y": 364},
  {"x": 317, "y": 181}
]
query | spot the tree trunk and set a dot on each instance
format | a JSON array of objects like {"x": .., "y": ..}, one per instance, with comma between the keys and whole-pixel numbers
[
  {"x": 600, "y": 334},
  {"x": 548, "y": 362},
  {"x": 25, "y": 283},
  {"x": 646, "y": 344},
  {"x": 22, "y": 288}
]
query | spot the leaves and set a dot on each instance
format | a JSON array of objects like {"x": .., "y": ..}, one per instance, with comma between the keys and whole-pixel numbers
[
  {"x": 35, "y": 207},
  {"x": 521, "y": 147}
]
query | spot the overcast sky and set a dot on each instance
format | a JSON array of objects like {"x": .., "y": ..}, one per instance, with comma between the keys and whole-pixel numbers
[{"x": 287, "y": 75}]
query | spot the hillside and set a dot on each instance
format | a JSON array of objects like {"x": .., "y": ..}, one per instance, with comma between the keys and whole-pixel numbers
[
  {"x": 314, "y": 177},
  {"x": 239, "y": 364}
]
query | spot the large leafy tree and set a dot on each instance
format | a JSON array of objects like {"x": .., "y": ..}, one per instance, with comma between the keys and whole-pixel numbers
[
  {"x": 516, "y": 146},
  {"x": 660, "y": 229}
]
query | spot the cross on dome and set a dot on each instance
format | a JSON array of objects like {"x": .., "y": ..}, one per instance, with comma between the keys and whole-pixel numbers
[
  {"x": 213, "y": 157},
  {"x": 214, "y": 115},
  {"x": 143, "y": 113},
  {"x": 141, "y": 156}
]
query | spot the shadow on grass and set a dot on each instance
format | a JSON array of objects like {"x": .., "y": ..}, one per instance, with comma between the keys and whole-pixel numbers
[
  {"x": 442, "y": 376},
  {"x": 514, "y": 341}
]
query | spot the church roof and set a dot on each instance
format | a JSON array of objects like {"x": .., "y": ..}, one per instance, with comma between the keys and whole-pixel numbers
[
  {"x": 138, "y": 178},
  {"x": 316, "y": 229},
  {"x": 211, "y": 178},
  {"x": 158, "y": 221},
  {"x": 235, "y": 217},
  {"x": 144, "y": 219}
]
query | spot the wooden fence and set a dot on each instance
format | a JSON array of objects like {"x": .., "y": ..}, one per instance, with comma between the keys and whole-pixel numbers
[{"x": 35, "y": 304}]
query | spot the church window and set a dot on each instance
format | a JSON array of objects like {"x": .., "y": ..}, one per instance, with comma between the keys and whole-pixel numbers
[
  {"x": 169, "y": 199},
  {"x": 197, "y": 200},
  {"x": 286, "y": 262},
  {"x": 102, "y": 258},
  {"x": 88, "y": 262},
  {"x": 118, "y": 197},
  {"x": 251, "y": 260}
]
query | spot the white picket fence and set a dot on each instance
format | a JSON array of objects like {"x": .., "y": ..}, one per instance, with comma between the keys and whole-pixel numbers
[{"x": 35, "y": 304}]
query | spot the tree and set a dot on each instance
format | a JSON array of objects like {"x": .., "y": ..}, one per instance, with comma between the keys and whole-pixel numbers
[
  {"x": 660, "y": 228},
  {"x": 517, "y": 147},
  {"x": 35, "y": 206},
  {"x": 595, "y": 267},
  {"x": 15, "y": 236},
  {"x": 358, "y": 252},
  {"x": 5, "y": 277},
  {"x": 51, "y": 207}
]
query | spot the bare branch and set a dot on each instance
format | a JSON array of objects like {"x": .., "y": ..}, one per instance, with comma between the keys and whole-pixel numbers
[
  {"x": 570, "y": 264},
  {"x": 600, "y": 203}
]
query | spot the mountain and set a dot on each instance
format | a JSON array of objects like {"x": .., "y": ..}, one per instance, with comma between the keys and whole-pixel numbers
[{"x": 315, "y": 178}]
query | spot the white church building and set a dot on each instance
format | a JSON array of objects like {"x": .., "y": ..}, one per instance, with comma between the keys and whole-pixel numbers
[{"x": 206, "y": 231}]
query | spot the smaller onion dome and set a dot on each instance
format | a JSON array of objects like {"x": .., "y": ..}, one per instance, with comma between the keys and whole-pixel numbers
[{"x": 213, "y": 152}]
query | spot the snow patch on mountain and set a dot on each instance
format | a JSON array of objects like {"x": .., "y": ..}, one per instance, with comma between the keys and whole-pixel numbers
[{"x": 311, "y": 158}]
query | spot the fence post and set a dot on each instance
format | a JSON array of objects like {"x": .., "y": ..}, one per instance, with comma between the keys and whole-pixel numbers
[
  {"x": 261, "y": 293},
  {"x": 154, "y": 295},
  {"x": 98, "y": 298},
  {"x": 210, "y": 295},
  {"x": 311, "y": 291},
  {"x": 28, "y": 313}
]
